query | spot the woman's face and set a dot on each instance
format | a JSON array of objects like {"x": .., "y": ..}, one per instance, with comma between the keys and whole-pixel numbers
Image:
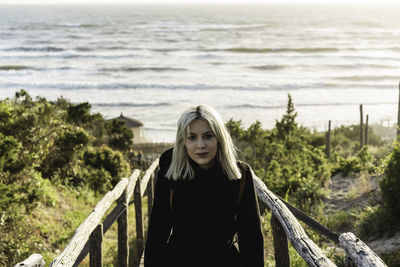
[{"x": 201, "y": 143}]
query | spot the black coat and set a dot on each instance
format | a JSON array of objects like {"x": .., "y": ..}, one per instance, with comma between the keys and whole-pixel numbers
[{"x": 203, "y": 218}]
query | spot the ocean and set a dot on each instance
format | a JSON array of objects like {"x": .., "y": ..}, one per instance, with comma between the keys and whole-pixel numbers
[{"x": 151, "y": 62}]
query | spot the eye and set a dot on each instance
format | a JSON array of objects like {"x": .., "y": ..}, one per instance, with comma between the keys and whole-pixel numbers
[
  {"x": 191, "y": 137},
  {"x": 208, "y": 135}
]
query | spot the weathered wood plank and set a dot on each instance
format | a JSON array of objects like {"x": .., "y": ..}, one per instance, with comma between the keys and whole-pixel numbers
[
  {"x": 132, "y": 183},
  {"x": 123, "y": 247},
  {"x": 82, "y": 233},
  {"x": 146, "y": 177},
  {"x": 316, "y": 226},
  {"x": 281, "y": 249},
  {"x": 114, "y": 214},
  {"x": 361, "y": 127},
  {"x": 108, "y": 221},
  {"x": 139, "y": 221},
  {"x": 359, "y": 252},
  {"x": 96, "y": 247},
  {"x": 34, "y": 260},
  {"x": 310, "y": 252},
  {"x": 366, "y": 131},
  {"x": 328, "y": 141}
]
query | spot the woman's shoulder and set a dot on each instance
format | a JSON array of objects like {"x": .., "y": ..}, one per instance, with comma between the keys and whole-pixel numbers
[{"x": 166, "y": 158}]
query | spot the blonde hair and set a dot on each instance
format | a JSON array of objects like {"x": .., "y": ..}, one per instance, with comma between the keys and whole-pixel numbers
[{"x": 180, "y": 167}]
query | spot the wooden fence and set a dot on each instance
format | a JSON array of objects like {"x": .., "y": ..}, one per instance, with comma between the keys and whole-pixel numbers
[{"x": 89, "y": 235}]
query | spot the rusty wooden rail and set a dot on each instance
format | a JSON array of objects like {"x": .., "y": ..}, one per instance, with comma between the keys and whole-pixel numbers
[{"x": 88, "y": 236}]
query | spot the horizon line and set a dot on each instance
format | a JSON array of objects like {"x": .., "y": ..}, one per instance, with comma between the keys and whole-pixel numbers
[{"x": 196, "y": 2}]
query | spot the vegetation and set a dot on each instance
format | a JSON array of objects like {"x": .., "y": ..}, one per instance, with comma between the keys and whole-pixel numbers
[
  {"x": 291, "y": 160},
  {"x": 285, "y": 158},
  {"x": 58, "y": 156},
  {"x": 390, "y": 184},
  {"x": 47, "y": 148}
]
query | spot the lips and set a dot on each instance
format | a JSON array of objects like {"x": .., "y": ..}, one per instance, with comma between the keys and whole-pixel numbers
[{"x": 202, "y": 155}]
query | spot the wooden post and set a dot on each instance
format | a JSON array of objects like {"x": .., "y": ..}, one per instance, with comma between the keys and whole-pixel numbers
[
  {"x": 139, "y": 223},
  {"x": 359, "y": 252},
  {"x": 281, "y": 249},
  {"x": 34, "y": 260},
  {"x": 398, "y": 116},
  {"x": 150, "y": 188},
  {"x": 123, "y": 246},
  {"x": 366, "y": 131},
  {"x": 328, "y": 141},
  {"x": 96, "y": 251},
  {"x": 361, "y": 127},
  {"x": 82, "y": 234},
  {"x": 307, "y": 249}
]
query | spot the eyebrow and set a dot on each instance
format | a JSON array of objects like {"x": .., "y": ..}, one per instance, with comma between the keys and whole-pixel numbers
[{"x": 202, "y": 133}]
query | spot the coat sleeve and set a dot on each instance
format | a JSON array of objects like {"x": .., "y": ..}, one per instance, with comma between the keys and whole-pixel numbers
[
  {"x": 250, "y": 237},
  {"x": 160, "y": 220}
]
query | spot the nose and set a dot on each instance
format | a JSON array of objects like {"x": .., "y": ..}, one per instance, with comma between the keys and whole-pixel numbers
[{"x": 200, "y": 143}]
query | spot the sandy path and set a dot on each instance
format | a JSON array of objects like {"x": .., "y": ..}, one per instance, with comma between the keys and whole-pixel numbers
[{"x": 348, "y": 192}]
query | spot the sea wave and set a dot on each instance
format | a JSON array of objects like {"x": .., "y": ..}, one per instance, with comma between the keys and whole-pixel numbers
[
  {"x": 178, "y": 27},
  {"x": 78, "y": 52},
  {"x": 36, "y": 49},
  {"x": 22, "y": 67},
  {"x": 226, "y": 27},
  {"x": 269, "y": 67},
  {"x": 115, "y": 48},
  {"x": 166, "y": 50},
  {"x": 77, "y": 25},
  {"x": 166, "y": 128},
  {"x": 252, "y": 106},
  {"x": 131, "y": 104},
  {"x": 74, "y": 84},
  {"x": 83, "y": 49},
  {"x": 368, "y": 57},
  {"x": 13, "y": 67},
  {"x": 360, "y": 66},
  {"x": 97, "y": 56},
  {"x": 281, "y": 50},
  {"x": 367, "y": 77},
  {"x": 137, "y": 69},
  {"x": 134, "y": 86}
]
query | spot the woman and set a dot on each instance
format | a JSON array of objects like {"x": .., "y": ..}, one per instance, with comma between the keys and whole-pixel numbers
[{"x": 200, "y": 203}]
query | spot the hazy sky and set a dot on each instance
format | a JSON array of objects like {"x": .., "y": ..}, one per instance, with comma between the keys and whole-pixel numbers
[{"x": 380, "y": 2}]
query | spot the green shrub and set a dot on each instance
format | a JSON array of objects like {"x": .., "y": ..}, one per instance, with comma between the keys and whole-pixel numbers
[
  {"x": 390, "y": 184},
  {"x": 78, "y": 114},
  {"x": 391, "y": 258},
  {"x": 365, "y": 159},
  {"x": 16, "y": 201},
  {"x": 287, "y": 158},
  {"x": 64, "y": 150},
  {"x": 43, "y": 143},
  {"x": 106, "y": 167},
  {"x": 376, "y": 221},
  {"x": 120, "y": 136},
  {"x": 362, "y": 160},
  {"x": 10, "y": 149},
  {"x": 348, "y": 165}
]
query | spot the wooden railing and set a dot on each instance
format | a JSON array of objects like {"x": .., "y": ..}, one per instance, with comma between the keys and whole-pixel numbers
[
  {"x": 88, "y": 236},
  {"x": 287, "y": 226}
]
